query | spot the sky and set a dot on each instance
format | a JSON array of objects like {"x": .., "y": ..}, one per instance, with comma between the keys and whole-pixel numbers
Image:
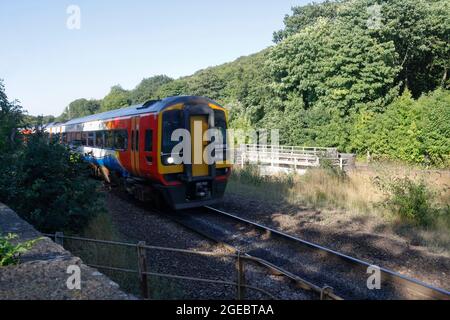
[{"x": 46, "y": 65}]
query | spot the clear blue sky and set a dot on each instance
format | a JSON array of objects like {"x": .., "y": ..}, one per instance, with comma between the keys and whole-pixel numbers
[{"x": 46, "y": 66}]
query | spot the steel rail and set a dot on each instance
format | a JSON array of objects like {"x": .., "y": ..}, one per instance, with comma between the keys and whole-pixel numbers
[
  {"x": 324, "y": 292},
  {"x": 417, "y": 286}
]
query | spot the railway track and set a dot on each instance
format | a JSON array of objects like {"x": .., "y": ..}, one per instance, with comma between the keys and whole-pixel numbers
[{"x": 312, "y": 267}]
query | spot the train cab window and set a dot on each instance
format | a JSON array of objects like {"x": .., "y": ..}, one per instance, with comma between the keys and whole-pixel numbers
[
  {"x": 109, "y": 139},
  {"x": 91, "y": 139},
  {"x": 148, "y": 140},
  {"x": 120, "y": 139},
  {"x": 99, "y": 139},
  {"x": 172, "y": 120}
]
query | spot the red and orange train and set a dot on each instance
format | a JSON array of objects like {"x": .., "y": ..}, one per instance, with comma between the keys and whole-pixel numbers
[{"x": 134, "y": 144}]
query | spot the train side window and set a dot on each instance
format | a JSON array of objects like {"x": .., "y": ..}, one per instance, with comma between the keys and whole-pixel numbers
[
  {"x": 99, "y": 139},
  {"x": 84, "y": 138},
  {"x": 109, "y": 139},
  {"x": 149, "y": 140},
  {"x": 90, "y": 139},
  {"x": 120, "y": 139},
  {"x": 136, "y": 146}
]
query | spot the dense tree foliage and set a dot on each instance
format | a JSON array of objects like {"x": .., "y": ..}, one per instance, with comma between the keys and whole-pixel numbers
[
  {"x": 80, "y": 108},
  {"x": 338, "y": 71},
  {"x": 410, "y": 130},
  {"x": 11, "y": 118},
  {"x": 147, "y": 89},
  {"x": 43, "y": 181}
]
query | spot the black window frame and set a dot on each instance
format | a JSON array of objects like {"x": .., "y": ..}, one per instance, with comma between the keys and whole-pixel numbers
[
  {"x": 109, "y": 139},
  {"x": 123, "y": 146},
  {"x": 90, "y": 139},
  {"x": 100, "y": 137},
  {"x": 148, "y": 147}
]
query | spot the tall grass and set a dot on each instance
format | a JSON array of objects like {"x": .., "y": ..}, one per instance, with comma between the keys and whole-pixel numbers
[{"x": 318, "y": 188}]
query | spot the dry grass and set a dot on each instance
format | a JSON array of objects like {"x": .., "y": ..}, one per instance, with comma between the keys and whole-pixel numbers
[
  {"x": 102, "y": 227},
  {"x": 353, "y": 196}
]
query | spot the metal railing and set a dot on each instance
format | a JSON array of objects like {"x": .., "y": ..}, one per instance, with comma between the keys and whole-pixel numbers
[
  {"x": 290, "y": 156},
  {"x": 141, "y": 250}
]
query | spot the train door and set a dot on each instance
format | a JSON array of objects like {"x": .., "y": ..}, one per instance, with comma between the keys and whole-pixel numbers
[
  {"x": 146, "y": 138},
  {"x": 199, "y": 124},
  {"x": 134, "y": 152}
]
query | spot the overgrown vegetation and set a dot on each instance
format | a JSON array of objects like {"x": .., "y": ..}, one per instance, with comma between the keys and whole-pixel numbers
[
  {"x": 9, "y": 252},
  {"x": 42, "y": 181},
  {"x": 360, "y": 75},
  {"x": 413, "y": 203}
]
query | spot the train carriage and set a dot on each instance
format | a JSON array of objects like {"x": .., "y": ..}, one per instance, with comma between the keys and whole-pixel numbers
[{"x": 135, "y": 145}]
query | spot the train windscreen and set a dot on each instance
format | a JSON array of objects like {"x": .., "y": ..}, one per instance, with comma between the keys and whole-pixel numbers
[{"x": 172, "y": 120}]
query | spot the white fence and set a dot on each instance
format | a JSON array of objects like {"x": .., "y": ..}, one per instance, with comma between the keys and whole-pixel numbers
[{"x": 290, "y": 158}]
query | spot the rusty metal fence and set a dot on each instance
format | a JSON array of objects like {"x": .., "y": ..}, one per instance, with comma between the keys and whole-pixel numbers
[{"x": 141, "y": 250}]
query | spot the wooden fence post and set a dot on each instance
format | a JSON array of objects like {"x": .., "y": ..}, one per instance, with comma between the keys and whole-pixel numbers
[
  {"x": 142, "y": 267},
  {"x": 59, "y": 238},
  {"x": 240, "y": 289}
]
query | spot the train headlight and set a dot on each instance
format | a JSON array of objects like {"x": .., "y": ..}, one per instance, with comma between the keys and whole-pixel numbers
[{"x": 170, "y": 160}]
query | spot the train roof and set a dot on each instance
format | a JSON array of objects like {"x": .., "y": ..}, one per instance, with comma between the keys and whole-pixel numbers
[{"x": 152, "y": 106}]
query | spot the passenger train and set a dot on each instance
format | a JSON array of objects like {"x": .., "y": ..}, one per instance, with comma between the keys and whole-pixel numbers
[{"x": 134, "y": 144}]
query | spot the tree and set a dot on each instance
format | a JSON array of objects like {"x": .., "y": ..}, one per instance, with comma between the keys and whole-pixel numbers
[
  {"x": 80, "y": 108},
  {"x": 11, "y": 119},
  {"x": 115, "y": 99},
  {"x": 336, "y": 70},
  {"x": 415, "y": 131},
  {"x": 304, "y": 16},
  {"x": 419, "y": 29},
  {"x": 147, "y": 89},
  {"x": 46, "y": 184}
]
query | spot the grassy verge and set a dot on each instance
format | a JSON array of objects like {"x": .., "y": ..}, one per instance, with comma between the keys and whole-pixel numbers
[
  {"x": 102, "y": 227},
  {"x": 408, "y": 202}
]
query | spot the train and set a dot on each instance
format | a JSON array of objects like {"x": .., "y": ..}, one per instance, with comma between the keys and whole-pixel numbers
[{"x": 134, "y": 146}]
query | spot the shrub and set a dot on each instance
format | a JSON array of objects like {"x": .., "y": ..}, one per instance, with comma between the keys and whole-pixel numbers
[
  {"x": 411, "y": 201},
  {"x": 49, "y": 186},
  {"x": 10, "y": 253},
  {"x": 331, "y": 170}
]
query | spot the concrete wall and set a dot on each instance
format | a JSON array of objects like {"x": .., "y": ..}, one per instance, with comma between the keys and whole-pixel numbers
[{"x": 42, "y": 271}]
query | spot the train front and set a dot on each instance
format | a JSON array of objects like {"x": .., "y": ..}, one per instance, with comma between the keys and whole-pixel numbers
[{"x": 193, "y": 160}]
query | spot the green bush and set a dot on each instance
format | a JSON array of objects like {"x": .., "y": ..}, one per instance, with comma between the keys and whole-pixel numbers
[
  {"x": 332, "y": 170},
  {"x": 49, "y": 186},
  {"x": 411, "y": 201},
  {"x": 10, "y": 253}
]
